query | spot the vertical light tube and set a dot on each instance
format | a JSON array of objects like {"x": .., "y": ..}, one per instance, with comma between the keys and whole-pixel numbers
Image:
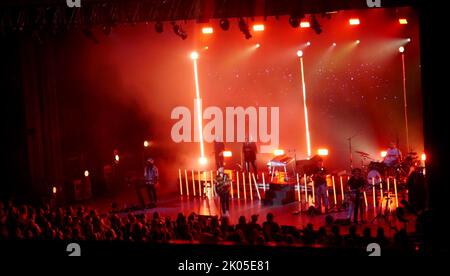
[
  {"x": 194, "y": 57},
  {"x": 305, "y": 109},
  {"x": 405, "y": 101}
]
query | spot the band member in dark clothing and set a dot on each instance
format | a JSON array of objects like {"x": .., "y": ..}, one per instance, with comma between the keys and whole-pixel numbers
[
  {"x": 249, "y": 150},
  {"x": 150, "y": 180},
  {"x": 320, "y": 184},
  {"x": 223, "y": 189},
  {"x": 219, "y": 148},
  {"x": 356, "y": 185}
]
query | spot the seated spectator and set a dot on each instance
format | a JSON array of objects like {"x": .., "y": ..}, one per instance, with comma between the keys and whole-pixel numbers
[{"x": 271, "y": 229}]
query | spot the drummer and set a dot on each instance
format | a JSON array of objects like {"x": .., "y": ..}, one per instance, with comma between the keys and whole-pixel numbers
[{"x": 393, "y": 156}]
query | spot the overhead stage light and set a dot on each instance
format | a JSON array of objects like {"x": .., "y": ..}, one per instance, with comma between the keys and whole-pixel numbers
[
  {"x": 401, "y": 49},
  {"x": 308, "y": 43},
  {"x": 159, "y": 28},
  {"x": 243, "y": 27},
  {"x": 315, "y": 25},
  {"x": 203, "y": 160},
  {"x": 299, "y": 53},
  {"x": 224, "y": 24},
  {"x": 403, "y": 21},
  {"x": 257, "y": 45},
  {"x": 294, "y": 21},
  {"x": 358, "y": 41},
  {"x": 322, "y": 152},
  {"x": 179, "y": 31}
]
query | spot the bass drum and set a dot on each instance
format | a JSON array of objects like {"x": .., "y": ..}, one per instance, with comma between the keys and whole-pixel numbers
[{"x": 374, "y": 177}]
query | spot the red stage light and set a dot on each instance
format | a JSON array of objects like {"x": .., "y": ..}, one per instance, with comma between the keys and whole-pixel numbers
[
  {"x": 305, "y": 24},
  {"x": 227, "y": 153},
  {"x": 424, "y": 157},
  {"x": 383, "y": 154},
  {"x": 194, "y": 55},
  {"x": 299, "y": 53},
  {"x": 354, "y": 21},
  {"x": 401, "y": 49},
  {"x": 258, "y": 27},
  {"x": 403, "y": 21},
  {"x": 322, "y": 152},
  {"x": 207, "y": 30}
]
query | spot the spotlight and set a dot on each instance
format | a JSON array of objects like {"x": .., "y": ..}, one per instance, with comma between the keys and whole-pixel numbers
[
  {"x": 159, "y": 27},
  {"x": 179, "y": 31},
  {"x": 423, "y": 157},
  {"x": 383, "y": 154},
  {"x": 401, "y": 49},
  {"x": 146, "y": 144},
  {"x": 308, "y": 43},
  {"x": 305, "y": 24},
  {"x": 299, "y": 53},
  {"x": 54, "y": 190},
  {"x": 403, "y": 21},
  {"x": 409, "y": 39},
  {"x": 315, "y": 25},
  {"x": 194, "y": 55},
  {"x": 322, "y": 152},
  {"x": 243, "y": 27},
  {"x": 257, "y": 45},
  {"x": 224, "y": 24},
  {"x": 357, "y": 41},
  {"x": 353, "y": 21},
  {"x": 227, "y": 153},
  {"x": 334, "y": 44},
  {"x": 207, "y": 30},
  {"x": 202, "y": 160},
  {"x": 258, "y": 27},
  {"x": 86, "y": 173},
  {"x": 294, "y": 21},
  {"x": 278, "y": 152}
]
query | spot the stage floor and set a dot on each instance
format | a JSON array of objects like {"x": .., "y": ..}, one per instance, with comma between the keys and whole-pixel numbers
[{"x": 171, "y": 205}]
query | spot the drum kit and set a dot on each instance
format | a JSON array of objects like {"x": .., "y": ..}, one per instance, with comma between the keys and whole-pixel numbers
[{"x": 376, "y": 170}]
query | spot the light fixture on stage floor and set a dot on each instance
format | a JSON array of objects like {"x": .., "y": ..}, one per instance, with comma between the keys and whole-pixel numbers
[
  {"x": 278, "y": 152},
  {"x": 227, "y": 153},
  {"x": 405, "y": 101},
  {"x": 305, "y": 109},
  {"x": 194, "y": 57}
]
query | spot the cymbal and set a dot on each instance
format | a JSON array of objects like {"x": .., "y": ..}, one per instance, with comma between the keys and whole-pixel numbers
[{"x": 362, "y": 153}]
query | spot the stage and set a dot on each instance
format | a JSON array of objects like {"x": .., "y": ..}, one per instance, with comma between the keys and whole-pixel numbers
[{"x": 285, "y": 215}]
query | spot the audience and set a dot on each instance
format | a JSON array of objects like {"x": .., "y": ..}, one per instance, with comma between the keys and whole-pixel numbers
[{"x": 44, "y": 223}]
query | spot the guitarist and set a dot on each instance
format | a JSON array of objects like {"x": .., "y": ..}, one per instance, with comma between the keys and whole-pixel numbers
[
  {"x": 356, "y": 185},
  {"x": 223, "y": 189}
]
